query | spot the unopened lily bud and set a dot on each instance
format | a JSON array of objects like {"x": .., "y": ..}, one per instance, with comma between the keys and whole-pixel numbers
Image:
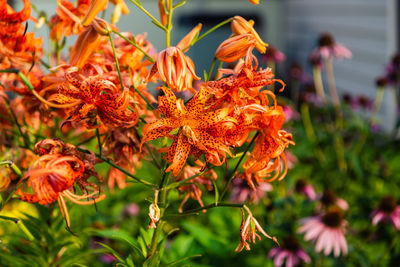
[
  {"x": 241, "y": 26},
  {"x": 101, "y": 26},
  {"x": 95, "y": 7},
  {"x": 163, "y": 14},
  {"x": 87, "y": 42},
  {"x": 174, "y": 68},
  {"x": 235, "y": 48},
  {"x": 187, "y": 40},
  {"x": 154, "y": 214}
]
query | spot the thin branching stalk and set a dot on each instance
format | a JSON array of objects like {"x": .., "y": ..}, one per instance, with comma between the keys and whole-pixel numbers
[
  {"x": 210, "y": 206},
  {"x": 99, "y": 142},
  {"x": 208, "y": 32},
  {"x": 155, "y": 21},
  {"x": 232, "y": 174},
  {"x": 116, "y": 61},
  {"x": 135, "y": 45}
]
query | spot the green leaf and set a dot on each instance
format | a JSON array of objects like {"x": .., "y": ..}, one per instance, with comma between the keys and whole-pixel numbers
[
  {"x": 216, "y": 196},
  {"x": 129, "y": 261},
  {"x": 183, "y": 259},
  {"x": 112, "y": 251},
  {"x": 205, "y": 75},
  {"x": 154, "y": 260}
]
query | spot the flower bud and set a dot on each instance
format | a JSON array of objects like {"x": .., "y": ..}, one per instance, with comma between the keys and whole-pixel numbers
[
  {"x": 187, "y": 40},
  {"x": 174, "y": 68},
  {"x": 241, "y": 26},
  {"x": 235, "y": 48},
  {"x": 101, "y": 26},
  {"x": 163, "y": 14},
  {"x": 154, "y": 214},
  {"x": 254, "y": 2}
]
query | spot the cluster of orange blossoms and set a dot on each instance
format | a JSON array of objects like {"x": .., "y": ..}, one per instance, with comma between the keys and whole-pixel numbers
[{"x": 105, "y": 86}]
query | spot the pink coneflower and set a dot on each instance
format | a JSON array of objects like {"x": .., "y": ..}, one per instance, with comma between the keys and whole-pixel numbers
[
  {"x": 329, "y": 198},
  {"x": 328, "y": 48},
  {"x": 303, "y": 187},
  {"x": 327, "y": 232},
  {"x": 274, "y": 55},
  {"x": 290, "y": 113},
  {"x": 241, "y": 191},
  {"x": 387, "y": 210},
  {"x": 291, "y": 251}
]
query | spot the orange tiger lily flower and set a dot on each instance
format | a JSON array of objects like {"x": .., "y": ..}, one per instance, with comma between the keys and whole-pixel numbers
[
  {"x": 99, "y": 98},
  {"x": 86, "y": 43},
  {"x": 235, "y": 47},
  {"x": 175, "y": 69},
  {"x": 245, "y": 86},
  {"x": 53, "y": 175},
  {"x": 241, "y": 26},
  {"x": 95, "y": 7},
  {"x": 270, "y": 145},
  {"x": 199, "y": 129}
]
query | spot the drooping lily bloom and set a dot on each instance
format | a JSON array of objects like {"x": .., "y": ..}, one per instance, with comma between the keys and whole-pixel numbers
[
  {"x": 291, "y": 251},
  {"x": 235, "y": 47},
  {"x": 200, "y": 130},
  {"x": 96, "y": 98},
  {"x": 248, "y": 231},
  {"x": 388, "y": 210},
  {"x": 18, "y": 49},
  {"x": 193, "y": 189},
  {"x": 175, "y": 69},
  {"x": 327, "y": 232},
  {"x": 67, "y": 20},
  {"x": 53, "y": 175},
  {"x": 269, "y": 145},
  {"x": 241, "y": 26},
  {"x": 123, "y": 144},
  {"x": 244, "y": 86}
]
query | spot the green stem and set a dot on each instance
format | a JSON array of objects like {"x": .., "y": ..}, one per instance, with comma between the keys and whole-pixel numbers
[
  {"x": 15, "y": 119},
  {"x": 12, "y": 166},
  {"x": 161, "y": 203},
  {"x": 330, "y": 76},
  {"x": 125, "y": 171},
  {"x": 116, "y": 61},
  {"x": 148, "y": 14},
  {"x": 308, "y": 127},
  {"x": 135, "y": 45},
  {"x": 99, "y": 142},
  {"x": 169, "y": 25},
  {"x": 15, "y": 220},
  {"x": 378, "y": 103},
  {"x": 158, "y": 165},
  {"x": 208, "y": 32},
  {"x": 144, "y": 98},
  {"x": 177, "y": 184},
  {"x": 211, "y": 69},
  {"x": 210, "y": 206},
  {"x": 231, "y": 174},
  {"x": 319, "y": 87}
]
